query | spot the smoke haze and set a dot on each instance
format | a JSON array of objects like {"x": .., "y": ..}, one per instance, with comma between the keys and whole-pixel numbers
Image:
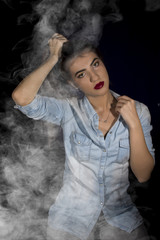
[{"x": 32, "y": 152}]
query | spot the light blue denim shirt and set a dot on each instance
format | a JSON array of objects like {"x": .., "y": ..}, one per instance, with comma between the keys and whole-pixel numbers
[{"x": 96, "y": 169}]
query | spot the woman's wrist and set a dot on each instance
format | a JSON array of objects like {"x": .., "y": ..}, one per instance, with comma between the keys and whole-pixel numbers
[
  {"x": 52, "y": 60},
  {"x": 136, "y": 125}
]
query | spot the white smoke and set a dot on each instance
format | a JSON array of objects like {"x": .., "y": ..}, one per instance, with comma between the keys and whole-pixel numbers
[
  {"x": 152, "y": 5},
  {"x": 32, "y": 152},
  {"x": 31, "y": 166}
]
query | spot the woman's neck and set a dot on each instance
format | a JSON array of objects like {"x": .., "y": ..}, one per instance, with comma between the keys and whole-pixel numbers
[{"x": 101, "y": 103}]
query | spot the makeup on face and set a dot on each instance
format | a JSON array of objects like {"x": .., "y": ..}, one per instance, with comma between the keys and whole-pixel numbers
[
  {"x": 81, "y": 73},
  {"x": 99, "y": 85},
  {"x": 89, "y": 74}
]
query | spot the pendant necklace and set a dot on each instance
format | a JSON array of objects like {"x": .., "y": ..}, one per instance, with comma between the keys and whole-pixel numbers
[
  {"x": 112, "y": 106},
  {"x": 105, "y": 119}
]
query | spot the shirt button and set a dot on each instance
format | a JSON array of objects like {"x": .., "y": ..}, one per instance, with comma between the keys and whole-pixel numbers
[
  {"x": 79, "y": 142},
  {"x": 111, "y": 132},
  {"x": 104, "y": 150},
  {"x": 101, "y": 203}
]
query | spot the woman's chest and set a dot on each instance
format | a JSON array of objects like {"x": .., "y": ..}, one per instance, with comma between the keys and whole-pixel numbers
[
  {"x": 86, "y": 144},
  {"x": 104, "y": 127}
]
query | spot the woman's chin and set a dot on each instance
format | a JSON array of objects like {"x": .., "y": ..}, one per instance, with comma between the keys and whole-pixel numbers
[{"x": 101, "y": 92}]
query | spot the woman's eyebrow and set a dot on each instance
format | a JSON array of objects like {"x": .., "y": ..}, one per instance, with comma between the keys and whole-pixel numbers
[
  {"x": 93, "y": 61},
  {"x": 84, "y": 68},
  {"x": 79, "y": 71}
]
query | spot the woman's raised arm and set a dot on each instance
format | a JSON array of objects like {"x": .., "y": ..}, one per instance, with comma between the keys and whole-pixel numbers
[{"x": 26, "y": 91}]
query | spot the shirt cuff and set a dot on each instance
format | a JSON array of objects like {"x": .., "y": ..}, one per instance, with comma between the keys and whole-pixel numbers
[{"x": 25, "y": 109}]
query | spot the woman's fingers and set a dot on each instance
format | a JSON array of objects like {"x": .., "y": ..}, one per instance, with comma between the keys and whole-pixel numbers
[
  {"x": 125, "y": 101},
  {"x": 57, "y": 36},
  {"x": 124, "y": 97},
  {"x": 56, "y": 43},
  {"x": 127, "y": 108},
  {"x": 122, "y": 101}
]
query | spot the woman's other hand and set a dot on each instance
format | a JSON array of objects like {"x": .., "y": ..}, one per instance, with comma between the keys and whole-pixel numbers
[{"x": 127, "y": 108}]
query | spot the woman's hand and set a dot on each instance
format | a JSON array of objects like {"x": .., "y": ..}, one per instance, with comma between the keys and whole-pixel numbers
[
  {"x": 127, "y": 108},
  {"x": 55, "y": 45}
]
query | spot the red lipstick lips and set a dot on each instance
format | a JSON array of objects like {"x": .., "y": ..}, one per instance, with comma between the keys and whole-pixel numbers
[{"x": 99, "y": 85}]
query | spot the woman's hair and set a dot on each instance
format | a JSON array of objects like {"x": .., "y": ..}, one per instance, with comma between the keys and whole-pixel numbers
[{"x": 71, "y": 50}]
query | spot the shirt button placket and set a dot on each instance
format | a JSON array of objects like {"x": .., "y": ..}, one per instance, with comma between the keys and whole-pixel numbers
[{"x": 101, "y": 180}]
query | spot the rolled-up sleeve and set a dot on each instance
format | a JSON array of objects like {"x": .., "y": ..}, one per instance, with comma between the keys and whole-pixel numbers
[
  {"x": 44, "y": 108},
  {"x": 145, "y": 119}
]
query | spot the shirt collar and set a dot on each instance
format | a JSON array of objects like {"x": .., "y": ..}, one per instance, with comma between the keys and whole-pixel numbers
[{"x": 90, "y": 111}]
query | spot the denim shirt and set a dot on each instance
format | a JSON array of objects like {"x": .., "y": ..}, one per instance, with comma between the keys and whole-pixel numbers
[{"x": 96, "y": 169}]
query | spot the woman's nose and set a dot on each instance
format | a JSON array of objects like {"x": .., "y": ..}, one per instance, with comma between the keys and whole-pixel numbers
[{"x": 93, "y": 76}]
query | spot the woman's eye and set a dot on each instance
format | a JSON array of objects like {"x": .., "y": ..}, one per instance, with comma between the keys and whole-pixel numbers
[
  {"x": 96, "y": 64},
  {"x": 81, "y": 75}
]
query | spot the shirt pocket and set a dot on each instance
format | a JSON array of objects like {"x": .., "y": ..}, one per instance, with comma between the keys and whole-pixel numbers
[
  {"x": 124, "y": 150},
  {"x": 80, "y": 145}
]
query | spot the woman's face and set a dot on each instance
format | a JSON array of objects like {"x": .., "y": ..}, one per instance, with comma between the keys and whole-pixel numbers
[{"x": 89, "y": 74}]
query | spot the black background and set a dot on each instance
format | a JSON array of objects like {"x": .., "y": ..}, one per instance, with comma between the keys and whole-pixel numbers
[{"x": 131, "y": 50}]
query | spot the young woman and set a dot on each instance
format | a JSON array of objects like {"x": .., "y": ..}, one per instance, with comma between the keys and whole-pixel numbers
[{"x": 104, "y": 133}]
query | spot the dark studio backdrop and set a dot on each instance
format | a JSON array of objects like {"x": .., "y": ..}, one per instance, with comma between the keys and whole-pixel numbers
[{"x": 130, "y": 46}]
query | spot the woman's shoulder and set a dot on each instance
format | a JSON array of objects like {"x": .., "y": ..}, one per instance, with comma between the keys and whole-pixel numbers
[
  {"x": 140, "y": 106},
  {"x": 142, "y": 111}
]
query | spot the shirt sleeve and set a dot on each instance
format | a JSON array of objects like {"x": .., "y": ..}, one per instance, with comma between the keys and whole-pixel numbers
[
  {"x": 145, "y": 119},
  {"x": 44, "y": 108}
]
